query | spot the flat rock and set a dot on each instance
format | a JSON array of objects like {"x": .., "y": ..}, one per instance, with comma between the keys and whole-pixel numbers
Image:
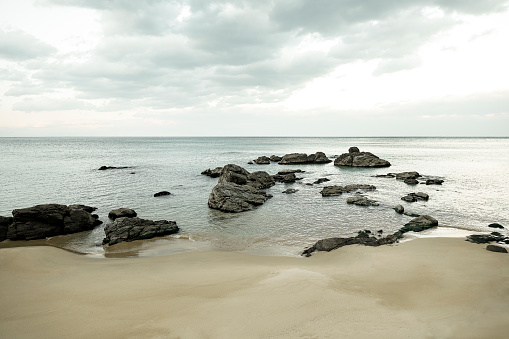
[
  {"x": 407, "y": 175},
  {"x": 360, "y": 159},
  {"x": 290, "y": 191},
  {"x": 420, "y": 224},
  {"x": 48, "y": 220},
  {"x": 303, "y": 158},
  {"x": 321, "y": 180},
  {"x": 434, "y": 182},
  {"x": 286, "y": 178},
  {"x": 103, "y": 168},
  {"x": 413, "y": 197},
  {"x": 213, "y": 173},
  {"x": 411, "y": 181},
  {"x": 495, "y": 248},
  {"x": 495, "y": 225},
  {"x": 161, "y": 194},
  {"x": 130, "y": 229},
  {"x": 361, "y": 201},
  {"x": 121, "y": 213},
  {"x": 263, "y": 160},
  {"x": 329, "y": 191},
  {"x": 275, "y": 158}
]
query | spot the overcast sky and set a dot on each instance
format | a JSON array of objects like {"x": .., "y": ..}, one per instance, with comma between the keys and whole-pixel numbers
[{"x": 254, "y": 68}]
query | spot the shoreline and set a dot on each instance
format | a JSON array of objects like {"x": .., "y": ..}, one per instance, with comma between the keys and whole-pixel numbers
[{"x": 429, "y": 287}]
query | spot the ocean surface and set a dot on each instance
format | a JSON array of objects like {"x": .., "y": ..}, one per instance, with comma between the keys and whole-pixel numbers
[{"x": 36, "y": 171}]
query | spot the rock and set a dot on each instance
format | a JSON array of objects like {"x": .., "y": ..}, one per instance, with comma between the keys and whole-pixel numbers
[
  {"x": 410, "y": 214},
  {"x": 419, "y": 224},
  {"x": 355, "y": 187},
  {"x": 216, "y": 172},
  {"x": 4, "y": 227},
  {"x": 263, "y": 160},
  {"x": 495, "y": 225},
  {"x": 287, "y": 178},
  {"x": 290, "y": 191},
  {"x": 407, "y": 175},
  {"x": 361, "y": 201},
  {"x": 234, "y": 198},
  {"x": 233, "y": 173},
  {"x": 161, "y": 194},
  {"x": 303, "y": 158},
  {"x": 399, "y": 209},
  {"x": 353, "y": 150},
  {"x": 434, "y": 182},
  {"x": 495, "y": 248},
  {"x": 290, "y": 171},
  {"x": 102, "y": 168},
  {"x": 129, "y": 229},
  {"x": 412, "y": 197},
  {"x": 329, "y": 191},
  {"x": 260, "y": 180},
  {"x": 275, "y": 158},
  {"x": 321, "y": 180},
  {"x": 487, "y": 238},
  {"x": 411, "y": 182},
  {"x": 121, "y": 213},
  {"x": 250, "y": 163},
  {"x": 48, "y": 220},
  {"x": 389, "y": 175},
  {"x": 97, "y": 222},
  {"x": 360, "y": 159},
  {"x": 89, "y": 209}
]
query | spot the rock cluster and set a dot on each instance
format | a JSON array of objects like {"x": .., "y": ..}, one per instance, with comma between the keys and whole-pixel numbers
[
  {"x": 238, "y": 190},
  {"x": 130, "y": 229},
  {"x": 413, "y": 197},
  {"x": 47, "y": 220},
  {"x": 355, "y": 158}
]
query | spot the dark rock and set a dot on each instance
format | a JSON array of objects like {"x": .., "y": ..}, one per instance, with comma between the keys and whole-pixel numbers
[
  {"x": 321, "y": 180},
  {"x": 89, "y": 209},
  {"x": 411, "y": 182},
  {"x": 353, "y": 150},
  {"x": 4, "y": 226},
  {"x": 234, "y": 198},
  {"x": 290, "y": 191},
  {"x": 48, "y": 220},
  {"x": 407, "y": 175},
  {"x": 495, "y": 225},
  {"x": 216, "y": 172},
  {"x": 390, "y": 175},
  {"x": 361, "y": 201},
  {"x": 290, "y": 171},
  {"x": 287, "y": 178},
  {"x": 329, "y": 191},
  {"x": 97, "y": 222},
  {"x": 434, "y": 182},
  {"x": 495, "y": 248},
  {"x": 399, "y": 209},
  {"x": 263, "y": 160},
  {"x": 102, "y": 168},
  {"x": 250, "y": 163},
  {"x": 260, "y": 180},
  {"x": 275, "y": 158},
  {"x": 486, "y": 238},
  {"x": 410, "y": 214},
  {"x": 233, "y": 173},
  {"x": 121, "y": 213},
  {"x": 412, "y": 197},
  {"x": 419, "y": 224},
  {"x": 356, "y": 187},
  {"x": 360, "y": 159},
  {"x": 303, "y": 158},
  {"x": 162, "y": 193},
  {"x": 129, "y": 229}
]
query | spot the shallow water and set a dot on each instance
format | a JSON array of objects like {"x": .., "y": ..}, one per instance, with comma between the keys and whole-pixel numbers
[{"x": 64, "y": 170}]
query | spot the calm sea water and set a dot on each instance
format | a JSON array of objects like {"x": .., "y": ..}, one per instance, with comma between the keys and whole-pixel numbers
[{"x": 64, "y": 170}]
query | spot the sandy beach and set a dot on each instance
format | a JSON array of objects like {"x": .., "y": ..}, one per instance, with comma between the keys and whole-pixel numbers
[{"x": 426, "y": 288}]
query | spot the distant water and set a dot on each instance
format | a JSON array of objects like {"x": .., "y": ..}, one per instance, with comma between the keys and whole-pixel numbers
[{"x": 35, "y": 171}]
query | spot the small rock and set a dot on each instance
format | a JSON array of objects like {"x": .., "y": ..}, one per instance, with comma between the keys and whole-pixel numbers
[
  {"x": 162, "y": 193},
  {"x": 275, "y": 158},
  {"x": 419, "y": 224},
  {"x": 263, "y": 160},
  {"x": 361, "y": 201},
  {"x": 216, "y": 172},
  {"x": 407, "y": 175},
  {"x": 250, "y": 163},
  {"x": 122, "y": 212},
  {"x": 399, "y": 209},
  {"x": 495, "y": 225},
  {"x": 434, "y": 182},
  {"x": 411, "y": 181},
  {"x": 353, "y": 150},
  {"x": 329, "y": 191},
  {"x": 495, "y": 248},
  {"x": 321, "y": 180},
  {"x": 103, "y": 168},
  {"x": 290, "y": 191}
]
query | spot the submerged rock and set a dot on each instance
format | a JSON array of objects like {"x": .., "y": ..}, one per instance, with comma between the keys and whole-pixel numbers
[
  {"x": 495, "y": 248},
  {"x": 355, "y": 158},
  {"x": 161, "y": 194},
  {"x": 103, "y": 168},
  {"x": 321, "y": 180},
  {"x": 434, "y": 182},
  {"x": 48, "y": 220},
  {"x": 130, "y": 229},
  {"x": 361, "y": 201},
  {"x": 121, "y": 213},
  {"x": 290, "y": 191}
]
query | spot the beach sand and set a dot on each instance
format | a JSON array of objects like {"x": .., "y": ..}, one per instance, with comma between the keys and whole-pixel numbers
[{"x": 425, "y": 288}]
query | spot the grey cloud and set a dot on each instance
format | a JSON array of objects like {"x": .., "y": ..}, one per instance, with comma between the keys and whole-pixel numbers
[
  {"x": 19, "y": 46},
  {"x": 397, "y": 64}
]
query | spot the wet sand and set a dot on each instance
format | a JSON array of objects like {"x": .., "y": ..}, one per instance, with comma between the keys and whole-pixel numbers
[{"x": 426, "y": 288}]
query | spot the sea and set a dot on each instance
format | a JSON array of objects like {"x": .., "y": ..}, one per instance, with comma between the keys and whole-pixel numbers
[{"x": 64, "y": 170}]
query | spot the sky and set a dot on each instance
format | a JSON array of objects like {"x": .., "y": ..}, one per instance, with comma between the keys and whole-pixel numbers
[{"x": 254, "y": 68}]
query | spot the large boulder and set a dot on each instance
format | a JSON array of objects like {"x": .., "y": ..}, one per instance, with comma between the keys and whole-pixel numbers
[
  {"x": 233, "y": 173},
  {"x": 4, "y": 226},
  {"x": 360, "y": 159},
  {"x": 303, "y": 158},
  {"x": 233, "y": 198},
  {"x": 420, "y": 224},
  {"x": 129, "y": 229},
  {"x": 260, "y": 180},
  {"x": 48, "y": 220},
  {"x": 122, "y": 213}
]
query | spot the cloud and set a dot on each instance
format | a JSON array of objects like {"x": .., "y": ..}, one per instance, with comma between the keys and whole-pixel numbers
[{"x": 19, "y": 46}]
